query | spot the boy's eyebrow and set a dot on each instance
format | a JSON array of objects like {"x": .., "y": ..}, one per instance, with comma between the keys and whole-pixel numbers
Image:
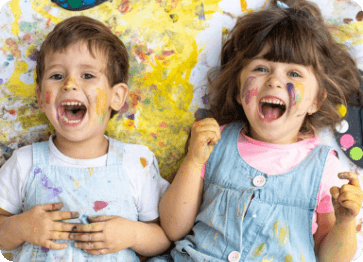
[{"x": 86, "y": 66}]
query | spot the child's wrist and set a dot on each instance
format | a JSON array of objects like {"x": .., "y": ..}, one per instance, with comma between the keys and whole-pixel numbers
[{"x": 191, "y": 160}]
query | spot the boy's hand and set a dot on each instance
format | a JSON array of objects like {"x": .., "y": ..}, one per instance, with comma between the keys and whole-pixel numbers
[
  {"x": 105, "y": 234},
  {"x": 347, "y": 200},
  {"x": 39, "y": 227},
  {"x": 205, "y": 135}
]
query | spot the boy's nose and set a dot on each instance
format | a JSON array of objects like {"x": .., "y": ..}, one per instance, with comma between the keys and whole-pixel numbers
[{"x": 70, "y": 84}]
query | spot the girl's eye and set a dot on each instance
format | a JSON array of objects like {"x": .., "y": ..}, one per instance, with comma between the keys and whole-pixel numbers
[
  {"x": 56, "y": 77},
  {"x": 294, "y": 74},
  {"x": 87, "y": 76},
  {"x": 261, "y": 69}
]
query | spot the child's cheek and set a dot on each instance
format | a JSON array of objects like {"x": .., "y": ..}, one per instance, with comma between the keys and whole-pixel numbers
[
  {"x": 101, "y": 104},
  {"x": 48, "y": 97}
]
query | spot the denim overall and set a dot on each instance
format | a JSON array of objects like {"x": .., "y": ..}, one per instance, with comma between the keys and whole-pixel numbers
[
  {"x": 249, "y": 216},
  {"x": 88, "y": 191}
]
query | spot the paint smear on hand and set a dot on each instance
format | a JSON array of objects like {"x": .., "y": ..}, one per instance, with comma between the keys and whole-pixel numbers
[
  {"x": 101, "y": 104},
  {"x": 258, "y": 251},
  {"x": 143, "y": 162},
  {"x": 299, "y": 93},
  {"x": 291, "y": 89},
  {"x": 98, "y": 205},
  {"x": 48, "y": 96}
]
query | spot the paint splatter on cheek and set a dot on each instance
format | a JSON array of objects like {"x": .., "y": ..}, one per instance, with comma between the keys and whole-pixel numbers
[
  {"x": 48, "y": 97},
  {"x": 291, "y": 89},
  {"x": 250, "y": 94},
  {"x": 101, "y": 104},
  {"x": 246, "y": 85},
  {"x": 299, "y": 93},
  {"x": 68, "y": 84}
]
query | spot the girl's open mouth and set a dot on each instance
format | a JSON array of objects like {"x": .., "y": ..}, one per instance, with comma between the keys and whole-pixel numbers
[
  {"x": 71, "y": 112},
  {"x": 271, "y": 109}
]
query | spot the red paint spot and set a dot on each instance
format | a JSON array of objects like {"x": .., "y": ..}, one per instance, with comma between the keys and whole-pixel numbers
[
  {"x": 12, "y": 112},
  {"x": 48, "y": 96},
  {"x": 53, "y": 206},
  {"x": 98, "y": 205},
  {"x": 163, "y": 124},
  {"x": 143, "y": 162}
]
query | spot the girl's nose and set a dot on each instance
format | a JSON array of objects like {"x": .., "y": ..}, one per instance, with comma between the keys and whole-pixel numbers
[
  {"x": 275, "y": 81},
  {"x": 70, "y": 84}
]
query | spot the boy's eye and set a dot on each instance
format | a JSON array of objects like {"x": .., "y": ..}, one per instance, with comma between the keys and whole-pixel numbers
[
  {"x": 294, "y": 74},
  {"x": 87, "y": 76},
  {"x": 261, "y": 69},
  {"x": 56, "y": 77}
]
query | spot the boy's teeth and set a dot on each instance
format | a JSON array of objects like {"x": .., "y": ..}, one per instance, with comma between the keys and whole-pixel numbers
[
  {"x": 70, "y": 121},
  {"x": 71, "y": 104}
]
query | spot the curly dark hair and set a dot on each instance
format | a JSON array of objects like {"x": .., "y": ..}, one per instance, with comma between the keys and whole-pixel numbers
[
  {"x": 295, "y": 35},
  {"x": 97, "y": 37}
]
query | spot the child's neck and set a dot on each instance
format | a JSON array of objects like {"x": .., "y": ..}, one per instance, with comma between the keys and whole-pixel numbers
[{"x": 86, "y": 149}]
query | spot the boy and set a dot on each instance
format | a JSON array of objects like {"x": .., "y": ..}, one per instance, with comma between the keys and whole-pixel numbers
[{"x": 82, "y": 71}]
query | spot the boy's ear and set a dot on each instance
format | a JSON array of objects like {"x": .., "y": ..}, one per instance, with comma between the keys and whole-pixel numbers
[
  {"x": 119, "y": 94},
  {"x": 39, "y": 98}
]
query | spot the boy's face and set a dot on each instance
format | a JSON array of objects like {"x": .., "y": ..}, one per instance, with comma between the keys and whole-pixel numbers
[{"x": 75, "y": 94}]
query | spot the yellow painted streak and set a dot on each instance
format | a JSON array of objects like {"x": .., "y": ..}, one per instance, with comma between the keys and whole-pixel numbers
[
  {"x": 90, "y": 170},
  {"x": 76, "y": 184},
  {"x": 353, "y": 31},
  {"x": 16, "y": 86},
  {"x": 276, "y": 228},
  {"x": 284, "y": 236},
  {"x": 258, "y": 251},
  {"x": 16, "y": 10},
  {"x": 288, "y": 258},
  {"x": 299, "y": 92},
  {"x": 243, "y": 5}
]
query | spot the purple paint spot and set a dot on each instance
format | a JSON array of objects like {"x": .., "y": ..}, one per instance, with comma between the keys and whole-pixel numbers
[
  {"x": 1, "y": 81},
  {"x": 251, "y": 93},
  {"x": 44, "y": 249},
  {"x": 291, "y": 89},
  {"x": 246, "y": 85},
  {"x": 47, "y": 184},
  {"x": 98, "y": 205},
  {"x": 205, "y": 99},
  {"x": 34, "y": 56},
  {"x": 131, "y": 117}
]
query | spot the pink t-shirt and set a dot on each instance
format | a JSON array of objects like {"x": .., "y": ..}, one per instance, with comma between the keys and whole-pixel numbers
[{"x": 280, "y": 158}]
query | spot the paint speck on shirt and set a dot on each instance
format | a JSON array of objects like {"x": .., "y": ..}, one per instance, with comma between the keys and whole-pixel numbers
[
  {"x": 98, "y": 205},
  {"x": 143, "y": 162}
]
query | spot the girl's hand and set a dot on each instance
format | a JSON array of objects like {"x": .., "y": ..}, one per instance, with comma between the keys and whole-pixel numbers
[
  {"x": 347, "y": 200},
  {"x": 205, "y": 135},
  {"x": 39, "y": 227},
  {"x": 105, "y": 234}
]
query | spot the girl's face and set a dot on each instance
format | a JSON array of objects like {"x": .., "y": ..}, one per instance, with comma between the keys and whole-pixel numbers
[{"x": 276, "y": 98}]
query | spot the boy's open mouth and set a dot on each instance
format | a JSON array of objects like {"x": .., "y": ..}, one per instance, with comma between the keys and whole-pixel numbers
[
  {"x": 71, "y": 112},
  {"x": 271, "y": 109}
]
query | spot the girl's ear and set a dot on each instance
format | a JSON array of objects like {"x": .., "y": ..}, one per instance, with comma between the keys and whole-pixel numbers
[
  {"x": 119, "y": 94},
  {"x": 318, "y": 102},
  {"x": 40, "y": 99},
  {"x": 238, "y": 98}
]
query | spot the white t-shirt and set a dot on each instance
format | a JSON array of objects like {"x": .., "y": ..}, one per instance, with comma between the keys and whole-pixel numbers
[{"x": 146, "y": 184}]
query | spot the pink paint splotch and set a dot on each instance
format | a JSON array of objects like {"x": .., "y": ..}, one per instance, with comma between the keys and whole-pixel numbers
[
  {"x": 251, "y": 93},
  {"x": 98, "y": 205}
]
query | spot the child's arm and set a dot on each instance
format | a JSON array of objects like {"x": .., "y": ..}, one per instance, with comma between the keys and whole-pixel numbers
[
  {"x": 340, "y": 244},
  {"x": 180, "y": 204},
  {"x": 109, "y": 234},
  {"x": 37, "y": 226}
]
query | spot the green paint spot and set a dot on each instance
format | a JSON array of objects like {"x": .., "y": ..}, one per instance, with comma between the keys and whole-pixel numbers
[
  {"x": 146, "y": 101},
  {"x": 258, "y": 251},
  {"x": 356, "y": 153},
  {"x": 75, "y": 3}
]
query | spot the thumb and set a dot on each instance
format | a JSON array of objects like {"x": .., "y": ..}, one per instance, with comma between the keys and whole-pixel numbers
[
  {"x": 52, "y": 207},
  {"x": 335, "y": 191}
]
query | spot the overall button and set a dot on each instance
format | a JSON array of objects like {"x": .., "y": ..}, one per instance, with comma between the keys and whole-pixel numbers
[
  {"x": 259, "y": 181},
  {"x": 234, "y": 256}
]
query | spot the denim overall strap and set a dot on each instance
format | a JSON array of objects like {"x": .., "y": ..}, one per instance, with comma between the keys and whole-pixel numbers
[
  {"x": 115, "y": 153},
  {"x": 40, "y": 153}
]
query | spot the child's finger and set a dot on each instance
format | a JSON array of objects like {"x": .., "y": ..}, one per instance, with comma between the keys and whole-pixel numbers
[
  {"x": 52, "y": 207},
  {"x": 97, "y": 251},
  {"x": 89, "y": 245},
  {"x": 352, "y": 177},
  {"x": 335, "y": 191},
  {"x": 60, "y": 235},
  {"x": 63, "y": 215},
  {"x": 54, "y": 245},
  {"x": 65, "y": 227},
  {"x": 87, "y": 237},
  {"x": 93, "y": 227},
  {"x": 100, "y": 219},
  {"x": 352, "y": 206}
]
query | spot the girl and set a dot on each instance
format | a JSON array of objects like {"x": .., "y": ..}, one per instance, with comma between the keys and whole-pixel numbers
[{"x": 265, "y": 192}]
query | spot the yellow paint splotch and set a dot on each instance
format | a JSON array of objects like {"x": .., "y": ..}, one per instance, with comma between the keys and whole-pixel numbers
[
  {"x": 299, "y": 92},
  {"x": 288, "y": 258},
  {"x": 101, "y": 104},
  {"x": 90, "y": 171},
  {"x": 265, "y": 259},
  {"x": 342, "y": 110},
  {"x": 281, "y": 235},
  {"x": 16, "y": 10},
  {"x": 143, "y": 162}
]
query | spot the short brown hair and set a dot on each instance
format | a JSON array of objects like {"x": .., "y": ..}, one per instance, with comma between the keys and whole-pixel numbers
[
  {"x": 97, "y": 36},
  {"x": 295, "y": 35}
]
